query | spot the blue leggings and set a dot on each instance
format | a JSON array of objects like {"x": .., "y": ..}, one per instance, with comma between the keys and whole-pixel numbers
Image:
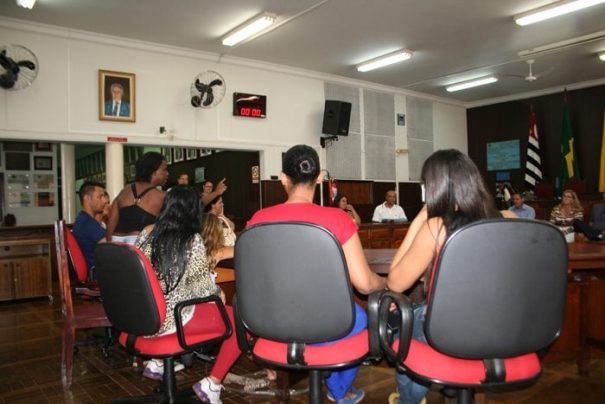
[
  {"x": 340, "y": 381},
  {"x": 410, "y": 391}
]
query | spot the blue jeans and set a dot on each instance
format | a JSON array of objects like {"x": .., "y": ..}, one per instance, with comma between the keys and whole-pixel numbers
[
  {"x": 411, "y": 392},
  {"x": 340, "y": 381}
]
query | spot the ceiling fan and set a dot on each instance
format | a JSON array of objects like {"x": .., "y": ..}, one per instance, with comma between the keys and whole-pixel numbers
[{"x": 531, "y": 77}]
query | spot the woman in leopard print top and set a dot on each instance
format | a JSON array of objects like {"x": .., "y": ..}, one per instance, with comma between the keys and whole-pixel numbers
[
  {"x": 196, "y": 280},
  {"x": 178, "y": 253}
]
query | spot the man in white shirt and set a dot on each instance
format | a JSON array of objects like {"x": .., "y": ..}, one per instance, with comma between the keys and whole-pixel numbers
[{"x": 389, "y": 210}]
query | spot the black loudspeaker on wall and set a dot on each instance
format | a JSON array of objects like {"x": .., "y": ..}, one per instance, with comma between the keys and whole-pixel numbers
[{"x": 337, "y": 115}]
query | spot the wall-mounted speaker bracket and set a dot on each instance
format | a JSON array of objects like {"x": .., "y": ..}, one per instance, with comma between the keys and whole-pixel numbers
[{"x": 326, "y": 141}]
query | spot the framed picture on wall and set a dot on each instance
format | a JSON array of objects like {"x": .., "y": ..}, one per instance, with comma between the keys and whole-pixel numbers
[
  {"x": 17, "y": 161},
  {"x": 191, "y": 154},
  {"x": 178, "y": 155},
  {"x": 167, "y": 153},
  {"x": 45, "y": 199},
  {"x": 200, "y": 174},
  {"x": 117, "y": 96},
  {"x": 42, "y": 147},
  {"x": 43, "y": 163}
]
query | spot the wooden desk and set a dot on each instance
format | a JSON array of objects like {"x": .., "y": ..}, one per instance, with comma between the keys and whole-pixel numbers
[
  {"x": 584, "y": 325},
  {"x": 585, "y": 302},
  {"x": 380, "y": 259}
]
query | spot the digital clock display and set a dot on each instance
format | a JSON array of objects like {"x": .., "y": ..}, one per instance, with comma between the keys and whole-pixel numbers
[{"x": 249, "y": 105}]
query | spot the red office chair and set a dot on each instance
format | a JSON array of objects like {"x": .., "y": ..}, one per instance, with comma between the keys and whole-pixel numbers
[
  {"x": 293, "y": 290},
  {"x": 86, "y": 288},
  {"x": 134, "y": 302},
  {"x": 83, "y": 316},
  {"x": 496, "y": 297}
]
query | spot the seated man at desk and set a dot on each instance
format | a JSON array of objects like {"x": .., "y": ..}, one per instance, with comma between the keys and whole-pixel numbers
[
  {"x": 389, "y": 211},
  {"x": 520, "y": 208},
  {"x": 87, "y": 230}
]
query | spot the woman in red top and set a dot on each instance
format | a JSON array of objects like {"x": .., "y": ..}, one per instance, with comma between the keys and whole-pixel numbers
[{"x": 300, "y": 173}]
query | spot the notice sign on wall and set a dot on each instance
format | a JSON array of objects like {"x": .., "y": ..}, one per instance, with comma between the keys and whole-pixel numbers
[{"x": 255, "y": 174}]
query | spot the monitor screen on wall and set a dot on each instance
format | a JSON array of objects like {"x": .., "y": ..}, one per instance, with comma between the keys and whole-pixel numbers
[{"x": 503, "y": 155}]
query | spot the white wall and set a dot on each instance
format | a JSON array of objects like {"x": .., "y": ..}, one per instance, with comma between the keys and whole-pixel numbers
[
  {"x": 449, "y": 127},
  {"x": 62, "y": 104}
]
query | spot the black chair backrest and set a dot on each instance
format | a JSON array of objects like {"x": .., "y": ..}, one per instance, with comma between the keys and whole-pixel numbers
[
  {"x": 292, "y": 283},
  {"x": 498, "y": 289},
  {"x": 130, "y": 290}
]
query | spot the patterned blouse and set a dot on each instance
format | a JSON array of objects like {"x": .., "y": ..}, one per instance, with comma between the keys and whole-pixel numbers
[
  {"x": 565, "y": 223},
  {"x": 196, "y": 281}
]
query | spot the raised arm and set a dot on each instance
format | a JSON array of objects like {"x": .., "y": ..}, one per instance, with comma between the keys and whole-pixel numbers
[
  {"x": 219, "y": 190},
  {"x": 362, "y": 277}
]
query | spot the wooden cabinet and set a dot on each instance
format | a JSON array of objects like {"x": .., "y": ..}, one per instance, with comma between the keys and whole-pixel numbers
[{"x": 25, "y": 268}]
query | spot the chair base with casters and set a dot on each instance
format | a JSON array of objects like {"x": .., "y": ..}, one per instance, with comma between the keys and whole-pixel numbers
[
  {"x": 317, "y": 360},
  {"x": 134, "y": 302},
  {"x": 496, "y": 299},
  {"x": 85, "y": 316}
]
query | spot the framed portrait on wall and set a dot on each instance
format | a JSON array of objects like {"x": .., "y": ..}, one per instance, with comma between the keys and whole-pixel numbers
[
  {"x": 167, "y": 153},
  {"x": 43, "y": 163},
  {"x": 191, "y": 154},
  {"x": 200, "y": 174},
  {"x": 117, "y": 96},
  {"x": 42, "y": 146},
  {"x": 178, "y": 154}
]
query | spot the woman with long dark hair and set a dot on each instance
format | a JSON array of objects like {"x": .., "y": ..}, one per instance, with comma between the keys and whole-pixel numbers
[
  {"x": 300, "y": 173},
  {"x": 176, "y": 249},
  {"x": 455, "y": 195}
]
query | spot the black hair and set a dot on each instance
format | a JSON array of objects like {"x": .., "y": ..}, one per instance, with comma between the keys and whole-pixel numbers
[
  {"x": 87, "y": 188},
  {"x": 338, "y": 197},
  {"x": 147, "y": 165},
  {"x": 208, "y": 206},
  {"x": 173, "y": 234},
  {"x": 455, "y": 190},
  {"x": 301, "y": 164}
]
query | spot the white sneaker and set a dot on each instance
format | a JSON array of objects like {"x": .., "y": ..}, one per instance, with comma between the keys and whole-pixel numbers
[
  {"x": 207, "y": 391},
  {"x": 154, "y": 368},
  {"x": 178, "y": 366}
]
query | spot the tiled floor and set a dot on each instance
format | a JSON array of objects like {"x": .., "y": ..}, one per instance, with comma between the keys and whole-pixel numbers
[{"x": 30, "y": 370}]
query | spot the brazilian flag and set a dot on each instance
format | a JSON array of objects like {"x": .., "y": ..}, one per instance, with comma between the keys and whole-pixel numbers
[{"x": 569, "y": 159}]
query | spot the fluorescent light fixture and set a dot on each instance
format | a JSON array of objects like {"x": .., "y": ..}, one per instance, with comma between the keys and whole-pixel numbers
[
  {"x": 385, "y": 60},
  {"x": 249, "y": 29},
  {"x": 602, "y": 56},
  {"x": 471, "y": 83},
  {"x": 567, "y": 43},
  {"x": 554, "y": 10},
  {"x": 26, "y": 3}
]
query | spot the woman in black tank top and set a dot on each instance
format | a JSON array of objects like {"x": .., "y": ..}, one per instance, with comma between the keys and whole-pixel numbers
[{"x": 139, "y": 203}]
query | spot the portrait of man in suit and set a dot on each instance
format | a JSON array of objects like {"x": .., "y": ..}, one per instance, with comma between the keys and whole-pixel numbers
[
  {"x": 116, "y": 96},
  {"x": 117, "y": 106}
]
